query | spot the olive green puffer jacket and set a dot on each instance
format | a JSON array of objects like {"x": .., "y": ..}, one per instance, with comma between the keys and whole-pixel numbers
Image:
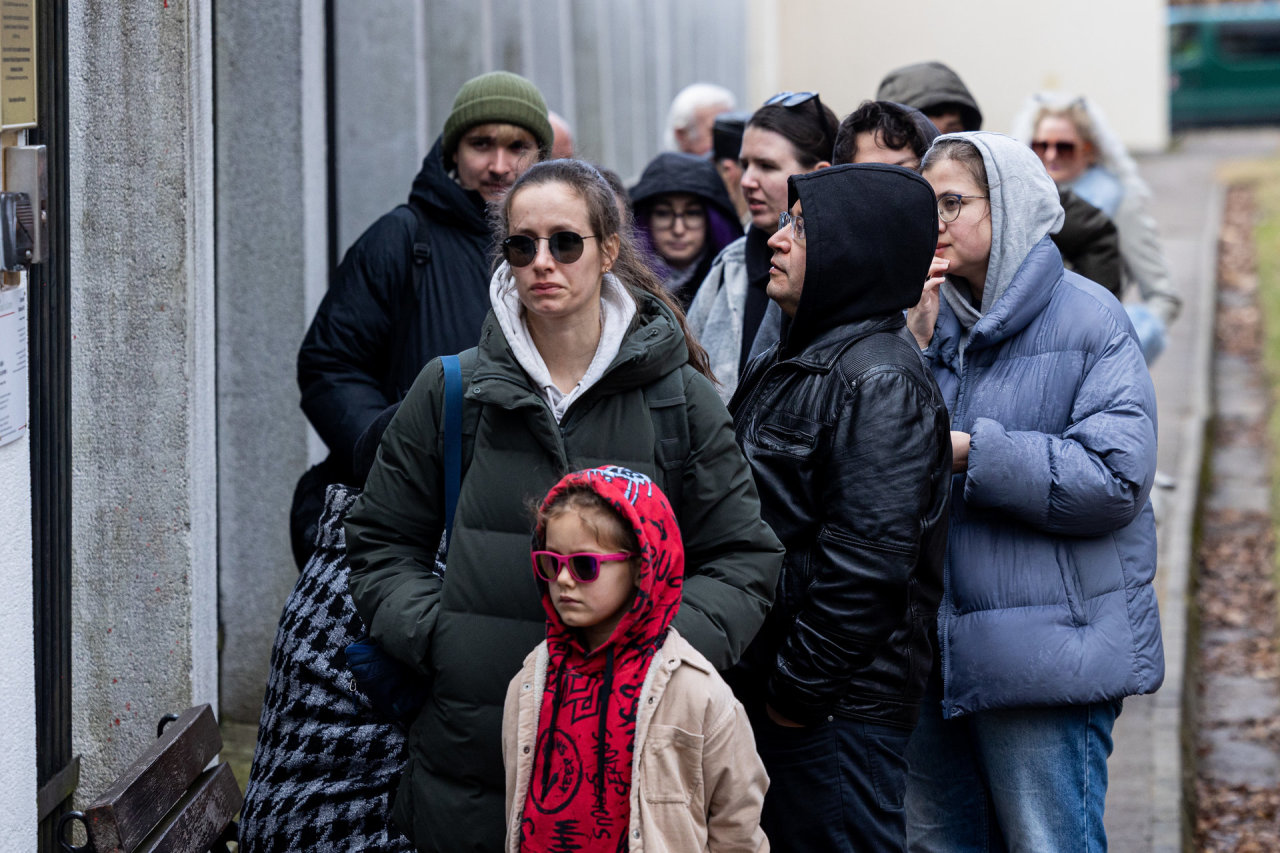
[{"x": 469, "y": 631}]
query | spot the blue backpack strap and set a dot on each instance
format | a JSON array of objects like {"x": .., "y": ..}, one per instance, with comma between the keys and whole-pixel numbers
[{"x": 452, "y": 439}]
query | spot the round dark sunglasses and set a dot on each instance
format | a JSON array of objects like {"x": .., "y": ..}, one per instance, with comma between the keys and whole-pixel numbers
[
  {"x": 565, "y": 246},
  {"x": 583, "y": 566}
]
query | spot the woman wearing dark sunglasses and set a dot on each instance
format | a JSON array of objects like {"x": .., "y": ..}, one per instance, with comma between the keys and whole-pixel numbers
[
  {"x": 792, "y": 133},
  {"x": 1078, "y": 149},
  {"x": 583, "y": 360}
]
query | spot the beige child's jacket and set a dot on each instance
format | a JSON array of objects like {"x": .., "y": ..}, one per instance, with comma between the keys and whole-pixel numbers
[{"x": 696, "y": 782}]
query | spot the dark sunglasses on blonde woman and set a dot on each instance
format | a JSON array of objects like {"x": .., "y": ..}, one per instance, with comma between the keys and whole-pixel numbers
[
  {"x": 565, "y": 246},
  {"x": 1064, "y": 149}
]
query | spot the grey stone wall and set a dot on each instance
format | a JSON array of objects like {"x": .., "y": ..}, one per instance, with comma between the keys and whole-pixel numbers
[
  {"x": 610, "y": 67},
  {"x": 143, "y": 511},
  {"x": 271, "y": 242}
]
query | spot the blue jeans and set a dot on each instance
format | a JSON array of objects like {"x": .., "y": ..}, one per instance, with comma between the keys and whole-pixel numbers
[
  {"x": 835, "y": 787},
  {"x": 1029, "y": 779}
]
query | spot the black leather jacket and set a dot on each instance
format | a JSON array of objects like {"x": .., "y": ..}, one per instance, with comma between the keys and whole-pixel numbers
[{"x": 848, "y": 438}]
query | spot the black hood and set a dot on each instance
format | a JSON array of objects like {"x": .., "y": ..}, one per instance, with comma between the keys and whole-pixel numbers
[
  {"x": 926, "y": 85},
  {"x": 442, "y": 199},
  {"x": 676, "y": 172},
  {"x": 870, "y": 232}
]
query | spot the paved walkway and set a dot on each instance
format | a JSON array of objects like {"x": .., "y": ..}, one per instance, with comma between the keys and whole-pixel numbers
[{"x": 1144, "y": 802}]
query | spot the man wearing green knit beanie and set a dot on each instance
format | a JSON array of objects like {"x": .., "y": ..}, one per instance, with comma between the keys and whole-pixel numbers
[
  {"x": 416, "y": 284},
  {"x": 498, "y": 128}
]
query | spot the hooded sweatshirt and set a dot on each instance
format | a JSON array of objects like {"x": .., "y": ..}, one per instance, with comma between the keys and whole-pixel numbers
[
  {"x": 586, "y": 729},
  {"x": 926, "y": 85},
  {"x": 1025, "y": 209},
  {"x": 676, "y": 172}
]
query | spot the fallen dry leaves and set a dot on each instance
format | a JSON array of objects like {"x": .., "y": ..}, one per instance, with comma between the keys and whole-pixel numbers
[{"x": 1236, "y": 593}]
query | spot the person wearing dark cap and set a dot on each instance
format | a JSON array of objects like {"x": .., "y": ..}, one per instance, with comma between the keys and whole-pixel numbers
[
  {"x": 849, "y": 441},
  {"x": 935, "y": 90},
  {"x": 683, "y": 219},
  {"x": 415, "y": 285},
  {"x": 726, "y": 145}
]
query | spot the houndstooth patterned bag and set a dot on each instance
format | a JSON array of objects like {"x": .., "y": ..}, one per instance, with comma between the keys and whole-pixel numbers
[{"x": 325, "y": 768}]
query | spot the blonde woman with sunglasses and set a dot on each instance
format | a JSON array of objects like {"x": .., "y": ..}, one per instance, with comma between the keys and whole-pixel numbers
[
  {"x": 1071, "y": 137},
  {"x": 581, "y": 354}
]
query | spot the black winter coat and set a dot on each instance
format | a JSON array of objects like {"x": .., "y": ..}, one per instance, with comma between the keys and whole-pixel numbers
[
  {"x": 849, "y": 441},
  {"x": 379, "y": 324}
]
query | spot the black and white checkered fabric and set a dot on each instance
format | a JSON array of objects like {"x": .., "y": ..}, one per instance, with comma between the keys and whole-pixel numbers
[{"x": 325, "y": 768}]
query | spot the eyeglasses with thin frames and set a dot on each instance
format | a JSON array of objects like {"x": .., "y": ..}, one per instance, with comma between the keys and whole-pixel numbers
[
  {"x": 950, "y": 205},
  {"x": 796, "y": 222},
  {"x": 663, "y": 218}
]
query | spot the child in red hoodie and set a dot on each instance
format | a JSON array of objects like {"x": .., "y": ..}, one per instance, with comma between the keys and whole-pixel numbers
[{"x": 617, "y": 734}]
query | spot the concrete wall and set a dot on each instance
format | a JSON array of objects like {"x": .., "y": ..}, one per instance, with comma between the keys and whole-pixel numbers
[
  {"x": 144, "y": 544},
  {"x": 610, "y": 67},
  {"x": 1004, "y": 50},
  {"x": 17, "y": 649},
  {"x": 272, "y": 253}
]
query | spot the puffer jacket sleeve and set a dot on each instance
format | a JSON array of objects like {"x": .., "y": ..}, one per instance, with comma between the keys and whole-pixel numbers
[
  {"x": 1093, "y": 477},
  {"x": 347, "y": 348},
  {"x": 732, "y": 557},
  {"x": 885, "y": 460},
  {"x": 394, "y": 527}
]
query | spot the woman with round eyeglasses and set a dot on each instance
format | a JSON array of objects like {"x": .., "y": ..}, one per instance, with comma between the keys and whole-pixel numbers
[
  {"x": 583, "y": 360},
  {"x": 1080, "y": 152},
  {"x": 1048, "y": 617},
  {"x": 684, "y": 218},
  {"x": 791, "y": 134}
]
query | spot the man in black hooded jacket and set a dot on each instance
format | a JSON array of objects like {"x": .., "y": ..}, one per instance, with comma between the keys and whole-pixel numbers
[
  {"x": 849, "y": 440},
  {"x": 416, "y": 284}
]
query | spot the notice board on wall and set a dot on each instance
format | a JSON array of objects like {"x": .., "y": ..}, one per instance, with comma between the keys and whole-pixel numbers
[
  {"x": 13, "y": 363},
  {"x": 17, "y": 64}
]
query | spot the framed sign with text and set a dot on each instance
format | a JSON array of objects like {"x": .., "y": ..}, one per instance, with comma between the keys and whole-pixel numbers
[{"x": 17, "y": 64}]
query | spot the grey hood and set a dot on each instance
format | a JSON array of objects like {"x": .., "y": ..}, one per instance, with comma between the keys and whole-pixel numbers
[{"x": 1024, "y": 206}]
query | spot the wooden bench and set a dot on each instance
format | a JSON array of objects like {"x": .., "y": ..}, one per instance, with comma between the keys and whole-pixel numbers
[{"x": 166, "y": 801}]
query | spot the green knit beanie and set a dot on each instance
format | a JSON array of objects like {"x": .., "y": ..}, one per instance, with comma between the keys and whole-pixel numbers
[{"x": 501, "y": 97}]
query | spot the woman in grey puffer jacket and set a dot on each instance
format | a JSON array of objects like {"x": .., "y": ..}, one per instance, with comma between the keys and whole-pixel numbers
[{"x": 1048, "y": 617}]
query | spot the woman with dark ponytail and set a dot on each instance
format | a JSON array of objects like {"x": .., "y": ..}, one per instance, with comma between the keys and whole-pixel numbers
[{"x": 584, "y": 360}]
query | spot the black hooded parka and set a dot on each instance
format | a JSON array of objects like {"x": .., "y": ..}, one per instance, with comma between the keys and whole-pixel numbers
[
  {"x": 849, "y": 441},
  {"x": 414, "y": 286}
]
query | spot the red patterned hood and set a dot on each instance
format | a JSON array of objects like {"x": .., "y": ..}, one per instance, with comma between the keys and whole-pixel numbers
[
  {"x": 645, "y": 508},
  {"x": 579, "y": 792}
]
